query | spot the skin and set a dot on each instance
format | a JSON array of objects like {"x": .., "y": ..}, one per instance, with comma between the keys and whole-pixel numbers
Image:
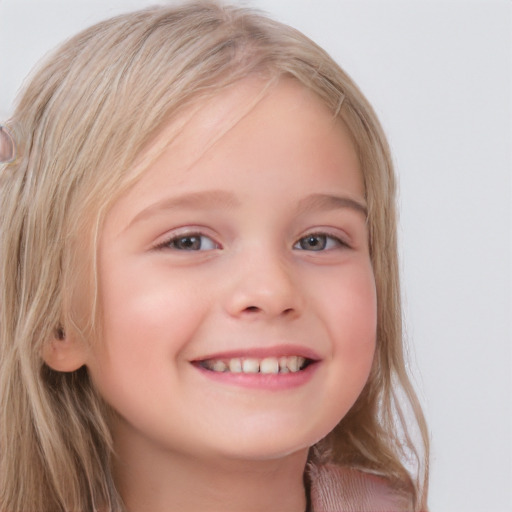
[{"x": 246, "y": 187}]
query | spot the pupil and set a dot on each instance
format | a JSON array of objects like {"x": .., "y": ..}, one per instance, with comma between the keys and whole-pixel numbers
[
  {"x": 314, "y": 242},
  {"x": 189, "y": 242}
]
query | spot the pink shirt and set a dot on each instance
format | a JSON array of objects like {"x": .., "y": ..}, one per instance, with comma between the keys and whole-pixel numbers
[{"x": 338, "y": 489}]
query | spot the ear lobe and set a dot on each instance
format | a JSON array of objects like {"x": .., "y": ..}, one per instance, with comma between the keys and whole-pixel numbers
[{"x": 64, "y": 353}]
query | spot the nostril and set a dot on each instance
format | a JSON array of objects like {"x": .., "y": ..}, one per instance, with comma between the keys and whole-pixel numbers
[{"x": 256, "y": 309}]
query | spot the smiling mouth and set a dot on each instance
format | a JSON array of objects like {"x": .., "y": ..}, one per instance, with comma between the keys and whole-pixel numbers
[{"x": 251, "y": 365}]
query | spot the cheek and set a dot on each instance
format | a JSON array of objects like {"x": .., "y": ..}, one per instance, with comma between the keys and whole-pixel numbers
[
  {"x": 353, "y": 324},
  {"x": 148, "y": 309},
  {"x": 351, "y": 305},
  {"x": 146, "y": 324}
]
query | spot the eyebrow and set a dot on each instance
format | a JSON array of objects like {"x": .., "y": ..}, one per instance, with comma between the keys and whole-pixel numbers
[
  {"x": 215, "y": 198},
  {"x": 320, "y": 202},
  {"x": 194, "y": 200}
]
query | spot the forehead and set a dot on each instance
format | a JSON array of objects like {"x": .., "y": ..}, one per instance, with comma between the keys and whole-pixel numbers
[
  {"x": 258, "y": 142},
  {"x": 247, "y": 111}
]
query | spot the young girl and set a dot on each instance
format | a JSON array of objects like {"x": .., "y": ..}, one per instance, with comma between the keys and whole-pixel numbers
[{"x": 200, "y": 305}]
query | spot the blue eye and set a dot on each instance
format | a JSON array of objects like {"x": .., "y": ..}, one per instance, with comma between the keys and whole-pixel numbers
[
  {"x": 191, "y": 242},
  {"x": 318, "y": 242}
]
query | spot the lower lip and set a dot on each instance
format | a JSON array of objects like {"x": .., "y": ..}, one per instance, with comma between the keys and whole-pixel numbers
[{"x": 263, "y": 381}]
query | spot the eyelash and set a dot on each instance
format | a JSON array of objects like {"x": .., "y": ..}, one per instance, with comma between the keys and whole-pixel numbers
[
  {"x": 335, "y": 242},
  {"x": 172, "y": 242},
  {"x": 188, "y": 244}
]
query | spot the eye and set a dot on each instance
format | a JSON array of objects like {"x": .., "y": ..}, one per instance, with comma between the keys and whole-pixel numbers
[
  {"x": 190, "y": 242},
  {"x": 318, "y": 242}
]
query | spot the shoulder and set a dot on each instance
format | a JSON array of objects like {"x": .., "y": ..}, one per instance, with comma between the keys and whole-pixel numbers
[{"x": 339, "y": 489}]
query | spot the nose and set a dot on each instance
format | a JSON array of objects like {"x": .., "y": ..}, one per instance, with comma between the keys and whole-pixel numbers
[{"x": 263, "y": 284}]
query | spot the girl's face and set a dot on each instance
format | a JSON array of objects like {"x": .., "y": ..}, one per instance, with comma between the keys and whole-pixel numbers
[{"x": 238, "y": 298}]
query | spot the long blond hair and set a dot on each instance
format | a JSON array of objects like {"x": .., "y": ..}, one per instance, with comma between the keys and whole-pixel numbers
[{"x": 80, "y": 124}]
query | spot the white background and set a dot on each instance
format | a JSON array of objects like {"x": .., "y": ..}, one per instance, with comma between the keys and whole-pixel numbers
[{"x": 439, "y": 76}]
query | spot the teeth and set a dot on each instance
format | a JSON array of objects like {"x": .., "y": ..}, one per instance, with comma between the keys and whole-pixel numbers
[
  {"x": 293, "y": 364},
  {"x": 219, "y": 366},
  {"x": 235, "y": 366},
  {"x": 268, "y": 365},
  {"x": 251, "y": 366}
]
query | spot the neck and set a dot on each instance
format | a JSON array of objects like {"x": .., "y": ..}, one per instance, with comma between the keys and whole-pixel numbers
[{"x": 163, "y": 482}]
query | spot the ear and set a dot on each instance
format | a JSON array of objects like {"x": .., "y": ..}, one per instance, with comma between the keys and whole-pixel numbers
[{"x": 64, "y": 353}]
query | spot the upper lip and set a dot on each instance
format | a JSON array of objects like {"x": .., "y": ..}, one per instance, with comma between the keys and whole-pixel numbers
[{"x": 262, "y": 352}]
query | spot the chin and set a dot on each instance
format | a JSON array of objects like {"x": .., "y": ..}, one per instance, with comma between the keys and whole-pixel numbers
[{"x": 271, "y": 444}]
